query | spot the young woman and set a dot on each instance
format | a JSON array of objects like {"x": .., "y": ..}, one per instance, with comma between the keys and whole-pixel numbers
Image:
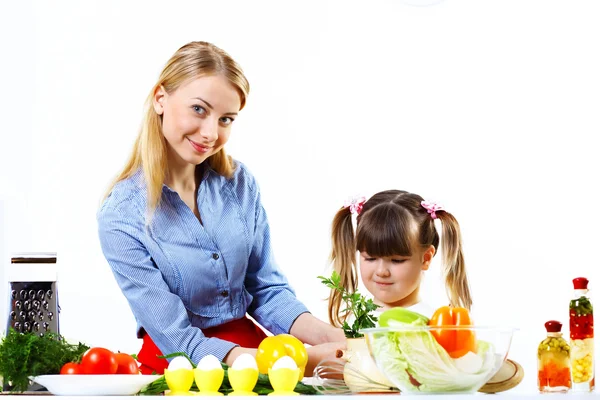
[{"x": 184, "y": 230}]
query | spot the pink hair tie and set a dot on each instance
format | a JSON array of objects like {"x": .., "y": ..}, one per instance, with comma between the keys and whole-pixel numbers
[
  {"x": 432, "y": 207},
  {"x": 355, "y": 204}
]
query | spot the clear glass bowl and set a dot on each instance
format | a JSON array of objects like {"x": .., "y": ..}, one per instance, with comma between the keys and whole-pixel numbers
[{"x": 444, "y": 360}]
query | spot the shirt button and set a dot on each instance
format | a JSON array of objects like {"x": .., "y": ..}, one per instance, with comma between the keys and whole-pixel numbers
[
  {"x": 224, "y": 293},
  {"x": 215, "y": 256}
]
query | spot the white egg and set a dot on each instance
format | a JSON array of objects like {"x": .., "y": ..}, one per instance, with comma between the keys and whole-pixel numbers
[
  {"x": 179, "y": 362},
  {"x": 285, "y": 362},
  {"x": 245, "y": 361},
  {"x": 209, "y": 362},
  {"x": 470, "y": 363}
]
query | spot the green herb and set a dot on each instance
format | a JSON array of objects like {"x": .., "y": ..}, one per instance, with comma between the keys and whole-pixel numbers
[
  {"x": 582, "y": 306},
  {"x": 263, "y": 385},
  {"x": 27, "y": 354},
  {"x": 358, "y": 305}
]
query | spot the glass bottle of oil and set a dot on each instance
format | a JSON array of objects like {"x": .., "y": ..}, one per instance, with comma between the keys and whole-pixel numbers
[
  {"x": 554, "y": 363},
  {"x": 581, "y": 325}
]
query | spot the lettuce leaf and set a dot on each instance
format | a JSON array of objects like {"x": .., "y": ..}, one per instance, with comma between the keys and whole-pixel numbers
[{"x": 414, "y": 359}]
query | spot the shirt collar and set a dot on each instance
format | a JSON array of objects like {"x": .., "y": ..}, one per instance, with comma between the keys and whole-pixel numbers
[{"x": 207, "y": 170}]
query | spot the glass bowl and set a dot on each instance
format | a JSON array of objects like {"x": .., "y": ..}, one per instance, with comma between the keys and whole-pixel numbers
[{"x": 441, "y": 359}]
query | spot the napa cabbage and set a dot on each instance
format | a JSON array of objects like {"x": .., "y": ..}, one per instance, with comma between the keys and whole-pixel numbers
[{"x": 414, "y": 359}]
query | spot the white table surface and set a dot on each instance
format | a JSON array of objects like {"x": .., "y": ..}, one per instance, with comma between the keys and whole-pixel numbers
[{"x": 498, "y": 396}]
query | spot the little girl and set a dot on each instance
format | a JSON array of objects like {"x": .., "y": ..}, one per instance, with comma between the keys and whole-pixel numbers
[{"x": 397, "y": 239}]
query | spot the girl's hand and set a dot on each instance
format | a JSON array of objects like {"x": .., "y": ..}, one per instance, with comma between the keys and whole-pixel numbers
[{"x": 320, "y": 352}]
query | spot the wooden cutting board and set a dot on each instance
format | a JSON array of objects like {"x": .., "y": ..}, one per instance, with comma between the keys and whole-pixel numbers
[{"x": 508, "y": 376}]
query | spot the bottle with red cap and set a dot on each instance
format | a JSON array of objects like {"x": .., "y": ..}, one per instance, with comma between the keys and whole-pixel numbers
[
  {"x": 581, "y": 325},
  {"x": 554, "y": 363}
]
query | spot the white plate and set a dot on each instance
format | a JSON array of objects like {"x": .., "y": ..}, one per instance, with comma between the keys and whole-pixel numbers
[{"x": 94, "y": 385}]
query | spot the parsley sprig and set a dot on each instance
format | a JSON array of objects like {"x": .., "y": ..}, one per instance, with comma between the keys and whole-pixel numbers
[{"x": 356, "y": 304}]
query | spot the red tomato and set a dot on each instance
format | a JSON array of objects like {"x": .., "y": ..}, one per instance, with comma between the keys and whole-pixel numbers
[
  {"x": 99, "y": 360},
  {"x": 127, "y": 364},
  {"x": 70, "y": 368}
]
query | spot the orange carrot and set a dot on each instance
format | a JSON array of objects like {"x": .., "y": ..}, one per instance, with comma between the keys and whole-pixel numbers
[{"x": 553, "y": 375}]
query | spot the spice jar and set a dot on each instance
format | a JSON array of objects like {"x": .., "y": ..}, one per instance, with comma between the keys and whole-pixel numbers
[
  {"x": 581, "y": 325},
  {"x": 554, "y": 363}
]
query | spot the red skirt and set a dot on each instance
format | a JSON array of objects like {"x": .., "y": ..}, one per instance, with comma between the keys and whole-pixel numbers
[{"x": 241, "y": 331}]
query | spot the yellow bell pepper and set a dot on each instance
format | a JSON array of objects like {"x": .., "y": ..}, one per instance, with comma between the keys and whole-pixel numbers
[{"x": 273, "y": 348}]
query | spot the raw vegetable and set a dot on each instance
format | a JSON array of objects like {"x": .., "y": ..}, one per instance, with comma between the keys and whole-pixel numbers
[
  {"x": 263, "y": 386},
  {"x": 457, "y": 342},
  {"x": 273, "y": 348},
  {"x": 399, "y": 316},
  {"x": 99, "y": 360},
  {"x": 358, "y": 305},
  {"x": 26, "y": 354},
  {"x": 416, "y": 359},
  {"x": 70, "y": 368},
  {"x": 126, "y": 364}
]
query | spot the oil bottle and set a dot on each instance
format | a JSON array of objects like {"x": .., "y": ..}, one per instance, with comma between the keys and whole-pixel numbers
[
  {"x": 581, "y": 325},
  {"x": 554, "y": 363}
]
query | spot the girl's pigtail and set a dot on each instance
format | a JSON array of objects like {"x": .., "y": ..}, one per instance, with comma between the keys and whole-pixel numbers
[
  {"x": 454, "y": 269},
  {"x": 343, "y": 257}
]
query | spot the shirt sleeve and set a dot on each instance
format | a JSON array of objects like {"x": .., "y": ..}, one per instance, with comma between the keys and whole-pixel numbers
[
  {"x": 159, "y": 311},
  {"x": 274, "y": 304}
]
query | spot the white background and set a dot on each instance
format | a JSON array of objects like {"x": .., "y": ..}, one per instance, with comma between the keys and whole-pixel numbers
[{"x": 490, "y": 107}]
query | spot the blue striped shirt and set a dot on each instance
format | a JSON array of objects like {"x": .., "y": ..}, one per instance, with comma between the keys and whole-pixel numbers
[{"x": 180, "y": 276}]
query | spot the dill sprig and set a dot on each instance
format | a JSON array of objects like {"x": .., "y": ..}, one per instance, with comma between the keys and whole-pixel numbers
[{"x": 27, "y": 354}]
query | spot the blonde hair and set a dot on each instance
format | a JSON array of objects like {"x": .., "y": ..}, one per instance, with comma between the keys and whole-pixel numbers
[
  {"x": 149, "y": 153},
  {"x": 392, "y": 223}
]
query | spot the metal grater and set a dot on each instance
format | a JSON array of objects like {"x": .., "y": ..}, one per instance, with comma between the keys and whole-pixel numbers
[{"x": 33, "y": 299}]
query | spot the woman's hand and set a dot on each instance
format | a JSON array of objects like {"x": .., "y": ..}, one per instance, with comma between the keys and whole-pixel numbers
[
  {"x": 312, "y": 330},
  {"x": 316, "y": 354},
  {"x": 236, "y": 352},
  {"x": 320, "y": 352},
  {"x": 336, "y": 335}
]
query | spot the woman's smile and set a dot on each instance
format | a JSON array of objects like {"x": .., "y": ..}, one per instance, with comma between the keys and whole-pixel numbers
[{"x": 199, "y": 147}]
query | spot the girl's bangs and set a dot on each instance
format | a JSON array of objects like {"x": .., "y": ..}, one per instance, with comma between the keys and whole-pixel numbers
[{"x": 386, "y": 231}]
